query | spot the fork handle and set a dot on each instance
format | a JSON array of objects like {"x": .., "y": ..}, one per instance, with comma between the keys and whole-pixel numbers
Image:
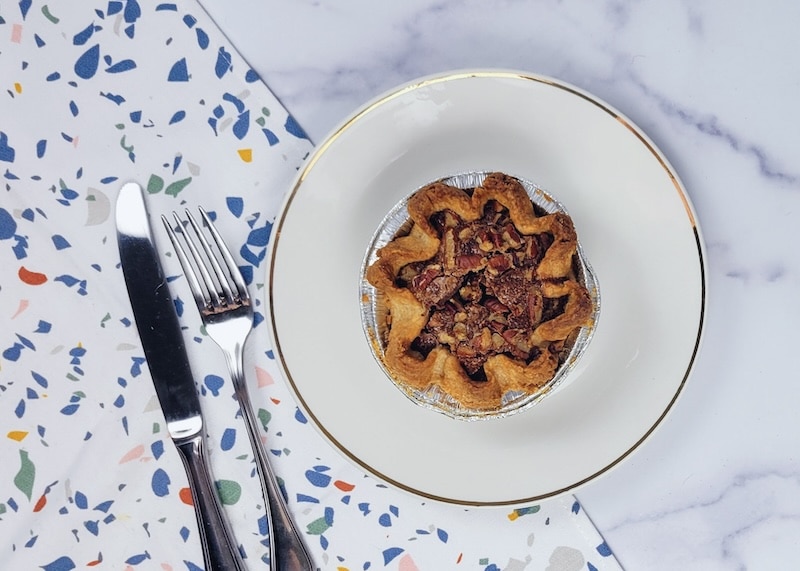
[
  {"x": 220, "y": 551},
  {"x": 290, "y": 553},
  {"x": 289, "y": 549}
]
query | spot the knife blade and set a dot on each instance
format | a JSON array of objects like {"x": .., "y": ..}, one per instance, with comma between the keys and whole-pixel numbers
[{"x": 164, "y": 349}]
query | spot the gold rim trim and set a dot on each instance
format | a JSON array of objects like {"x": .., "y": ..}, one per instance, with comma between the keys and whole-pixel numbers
[{"x": 425, "y": 82}]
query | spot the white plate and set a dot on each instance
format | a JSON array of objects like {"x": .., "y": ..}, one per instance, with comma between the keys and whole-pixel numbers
[{"x": 638, "y": 231}]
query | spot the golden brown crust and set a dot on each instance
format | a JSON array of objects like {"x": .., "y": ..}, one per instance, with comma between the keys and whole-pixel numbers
[{"x": 409, "y": 316}]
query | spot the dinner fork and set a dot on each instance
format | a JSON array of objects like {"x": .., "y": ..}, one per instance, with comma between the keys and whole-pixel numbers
[{"x": 227, "y": 312}]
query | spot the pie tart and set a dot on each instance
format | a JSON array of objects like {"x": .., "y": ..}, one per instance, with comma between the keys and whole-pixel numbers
[{"x": 481, "y": 294}]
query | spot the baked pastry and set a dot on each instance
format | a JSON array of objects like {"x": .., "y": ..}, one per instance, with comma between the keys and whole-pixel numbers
[{"x": 481, "y": 293}]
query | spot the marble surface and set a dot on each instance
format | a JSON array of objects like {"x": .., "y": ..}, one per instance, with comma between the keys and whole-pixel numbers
[{"x": 718, "y": 485}]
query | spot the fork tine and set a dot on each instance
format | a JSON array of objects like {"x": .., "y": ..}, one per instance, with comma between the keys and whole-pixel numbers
[
  {"x": 242, "y": 293},
  {"x": 208, "y": 281},
  {"x": 222, "y": 279},
  {"x": 200, "y": 293}
]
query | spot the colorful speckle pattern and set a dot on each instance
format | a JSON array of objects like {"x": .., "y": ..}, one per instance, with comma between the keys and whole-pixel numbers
[{"x": 91, "y": 96}]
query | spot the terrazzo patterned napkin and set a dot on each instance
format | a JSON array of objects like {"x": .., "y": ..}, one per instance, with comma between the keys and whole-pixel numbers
[{"x": 95, "y": 94}]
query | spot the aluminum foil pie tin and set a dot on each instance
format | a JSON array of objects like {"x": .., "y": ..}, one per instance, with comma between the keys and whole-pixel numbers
[{"x": 374, "y": 312}]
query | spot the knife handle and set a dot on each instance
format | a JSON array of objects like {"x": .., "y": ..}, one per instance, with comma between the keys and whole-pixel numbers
[{"x": 220, "y": 550}]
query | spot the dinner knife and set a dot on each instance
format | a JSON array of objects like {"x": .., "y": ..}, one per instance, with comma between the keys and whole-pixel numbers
[{"x": 165, "y": 352}]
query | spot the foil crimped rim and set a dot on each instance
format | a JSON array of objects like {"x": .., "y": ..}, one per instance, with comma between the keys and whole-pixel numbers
[{"x": 434, "y": 398}]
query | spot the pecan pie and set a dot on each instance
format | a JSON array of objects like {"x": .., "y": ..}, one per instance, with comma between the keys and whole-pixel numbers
[{"x": 481, "y": 293}]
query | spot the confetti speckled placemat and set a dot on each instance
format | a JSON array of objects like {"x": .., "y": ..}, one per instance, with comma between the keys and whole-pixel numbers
[{"x": 94, "y": 95}]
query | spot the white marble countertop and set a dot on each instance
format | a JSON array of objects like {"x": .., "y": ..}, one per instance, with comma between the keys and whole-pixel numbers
[{"x": 718, "y": 485}]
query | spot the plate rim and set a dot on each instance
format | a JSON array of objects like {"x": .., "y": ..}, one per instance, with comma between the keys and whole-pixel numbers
[{"x": 443, "y": 77}]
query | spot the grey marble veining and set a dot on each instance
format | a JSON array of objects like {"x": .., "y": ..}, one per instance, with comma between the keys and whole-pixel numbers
[{"x": 716, "y": 87}]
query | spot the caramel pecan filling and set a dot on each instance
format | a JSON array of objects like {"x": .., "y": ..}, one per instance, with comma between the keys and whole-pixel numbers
[{"x": 481, "y": 289}]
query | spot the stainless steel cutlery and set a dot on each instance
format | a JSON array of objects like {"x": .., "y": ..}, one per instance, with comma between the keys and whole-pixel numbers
[
  {"x": 164, "y": 349},
  {"x": 226, "y": 311}
]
